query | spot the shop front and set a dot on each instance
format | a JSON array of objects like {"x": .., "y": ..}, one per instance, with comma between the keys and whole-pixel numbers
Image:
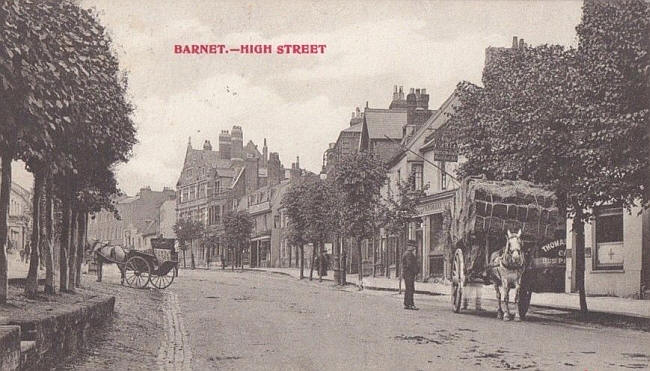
[
  {"x": 432, "y": 236},
  {"x": 260, "y": 251}
]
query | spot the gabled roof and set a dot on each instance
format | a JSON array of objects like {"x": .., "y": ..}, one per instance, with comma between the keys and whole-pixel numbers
[
  {"x": 382, "y": 123},
  {"x": 437, "y": 120}
]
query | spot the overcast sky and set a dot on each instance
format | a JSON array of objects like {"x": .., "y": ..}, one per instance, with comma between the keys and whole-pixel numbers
[{"x": 298, "y": 102}]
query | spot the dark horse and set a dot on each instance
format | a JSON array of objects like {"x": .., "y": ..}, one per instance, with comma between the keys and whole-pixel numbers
[
  {"x": 105, "y": 253},
  {"x": 506, "y": 269}
]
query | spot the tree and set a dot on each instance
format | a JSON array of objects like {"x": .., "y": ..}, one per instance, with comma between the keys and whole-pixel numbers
[
  {"x": 188, "y": 230},
  {"x": 60, "y": 93},
  {"x": 237, "y": 230},
  {"x": 358, "y": 180},
  {"x": 575, "y": 120},
  {"x": 309, "y": 207}
]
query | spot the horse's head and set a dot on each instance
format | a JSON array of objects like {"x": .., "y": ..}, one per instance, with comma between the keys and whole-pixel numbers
[{"x": 514, "y": 254}]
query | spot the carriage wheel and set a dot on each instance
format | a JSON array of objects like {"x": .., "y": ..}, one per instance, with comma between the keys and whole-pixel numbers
[
  {"x": 163, "y": 281},
  {"x": 137, "y": 272},
  {"x": 524, "y": 301},
  {"x": 458, "y": 280}
]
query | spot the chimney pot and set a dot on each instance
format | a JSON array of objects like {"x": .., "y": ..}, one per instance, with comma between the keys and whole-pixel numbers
[
  {"x": 522, "y": 44},
  {"x": 412, "y": 91},
  {"x": 395, "y": 89},
  {"x": 424, "y": 91},
  {"x": 417, "y": 92},
  {"x": 514, "y": 42}
]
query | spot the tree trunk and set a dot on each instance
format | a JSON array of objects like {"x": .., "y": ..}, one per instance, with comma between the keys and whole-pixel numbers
[
  {"x": 302, "y": 261},
  {"x": 386, "y": 257},
  {"x": 5, "y": 190},
  {"x": 343, "y": 263},
  {"x": 579, "y": 230},
  {"x": 184, "y": 263},
  {"x": 31, "y": 286},
  {"x": 313, "y": 261},
  {"x": 64, "y": 244},
  {"x": 192, "y": 264},
  {"x": 232, "y": 259},
  {"x": 46, "y": 235},
  {"x": 374, "y": 255},
  {"x": 72, "y": 250},
  {"x": 321, "y": 260},
  {"x": 360, "y": 263},
  {"x": 81, "y": 244}
]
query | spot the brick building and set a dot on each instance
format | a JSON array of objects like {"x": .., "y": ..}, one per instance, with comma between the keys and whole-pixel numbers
[
  {"x": 212, "y": 183},
  {"x": 386, "y": 127}
]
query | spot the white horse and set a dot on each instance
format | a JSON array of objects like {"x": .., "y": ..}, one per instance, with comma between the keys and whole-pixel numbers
[
  {"x": 105, "y": 253},
  {"x": 506, "y": 269}
]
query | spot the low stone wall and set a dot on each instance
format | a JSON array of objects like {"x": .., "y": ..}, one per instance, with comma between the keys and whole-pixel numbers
[
  {"x": 9, "y": 348},
  {"x": 61, "y": 333}
]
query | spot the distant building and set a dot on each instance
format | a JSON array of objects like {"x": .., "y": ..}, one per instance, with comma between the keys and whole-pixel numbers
[
  {"x": 138, "y": 223},
  {"x": 212, "y": 182},
  {"x": 168, "y": 218},
  {"x": 387, "y": 128},
  {"x": 19, "y": 218}
]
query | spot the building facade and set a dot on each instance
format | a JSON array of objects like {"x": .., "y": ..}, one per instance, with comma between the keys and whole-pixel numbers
[
  {"x": 617, "y": 253},
  {"x": 214, "y": 182},
  {"x": 139, "y": 219},
  {"x": 19, "y": 218}
]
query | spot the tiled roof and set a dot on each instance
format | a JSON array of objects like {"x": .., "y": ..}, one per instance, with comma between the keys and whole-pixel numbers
[
  {"x": 207, "y": 157},
  {"x": 382, "y": 122}
]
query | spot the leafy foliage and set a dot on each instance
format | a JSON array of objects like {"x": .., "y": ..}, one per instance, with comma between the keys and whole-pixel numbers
[
  {"x": 399, "y": 208},
  {"x": 237, "y": 229},
  {"x": 570, "y": 119},
  {"x": 187, "y": 230},
  {"x": 309, "y": 206},
  {"x": 358, "y": 181}
]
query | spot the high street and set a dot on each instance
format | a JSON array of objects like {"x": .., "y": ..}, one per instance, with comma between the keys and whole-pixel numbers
[{"x": 256, "y": 320}]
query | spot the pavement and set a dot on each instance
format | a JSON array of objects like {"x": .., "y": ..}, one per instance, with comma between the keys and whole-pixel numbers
[{"x": 564, "y": 301}]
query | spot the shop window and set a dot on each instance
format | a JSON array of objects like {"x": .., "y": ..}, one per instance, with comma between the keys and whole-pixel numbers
[
  {"x": 417, "y": 176},
  {"x": 443, "y": 176},
  {"x": 609, "y": 252}
]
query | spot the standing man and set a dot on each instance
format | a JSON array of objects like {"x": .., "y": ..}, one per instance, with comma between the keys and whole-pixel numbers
[{"x": 410, "y": 269}]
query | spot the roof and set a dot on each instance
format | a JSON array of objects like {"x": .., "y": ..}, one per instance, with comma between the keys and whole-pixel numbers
[
  {"x": 207, "y": 157},
  {"x": 382, "y": 123},
  {"x": 147, "y": 227}
]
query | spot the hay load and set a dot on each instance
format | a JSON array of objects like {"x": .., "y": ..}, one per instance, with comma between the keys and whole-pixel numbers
[{"x": 484, "y": 210}]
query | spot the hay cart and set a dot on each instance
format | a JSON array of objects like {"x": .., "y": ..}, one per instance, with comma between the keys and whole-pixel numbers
[
  {"x": 157, "y": 266},
  {"x": 477, "y": 222}
]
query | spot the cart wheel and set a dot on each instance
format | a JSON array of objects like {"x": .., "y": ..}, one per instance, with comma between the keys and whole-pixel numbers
[
  {"x": 524, "y": 302},
  {"x": 163, "y": 281},
  {"x": 137, "y": 272},
  {"x": 458, "y": 280}
]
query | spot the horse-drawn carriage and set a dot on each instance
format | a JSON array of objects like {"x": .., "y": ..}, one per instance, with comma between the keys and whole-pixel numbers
[
  {"x": 482, "y": 248},
  {"x": 138, "y": 268}
]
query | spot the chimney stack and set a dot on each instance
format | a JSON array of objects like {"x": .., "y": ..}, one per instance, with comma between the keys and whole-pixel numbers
[
  {"x": 237, "y": 140},
  {"x": 515, "y": 44},
  {"x": 207, "y": 146},
  {"x": 522, "y": 44},
  {"x": 225, "y": 145}
]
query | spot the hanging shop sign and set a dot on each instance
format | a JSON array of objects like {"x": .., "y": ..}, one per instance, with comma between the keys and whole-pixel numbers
[{"x": 444, "y": 150}]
